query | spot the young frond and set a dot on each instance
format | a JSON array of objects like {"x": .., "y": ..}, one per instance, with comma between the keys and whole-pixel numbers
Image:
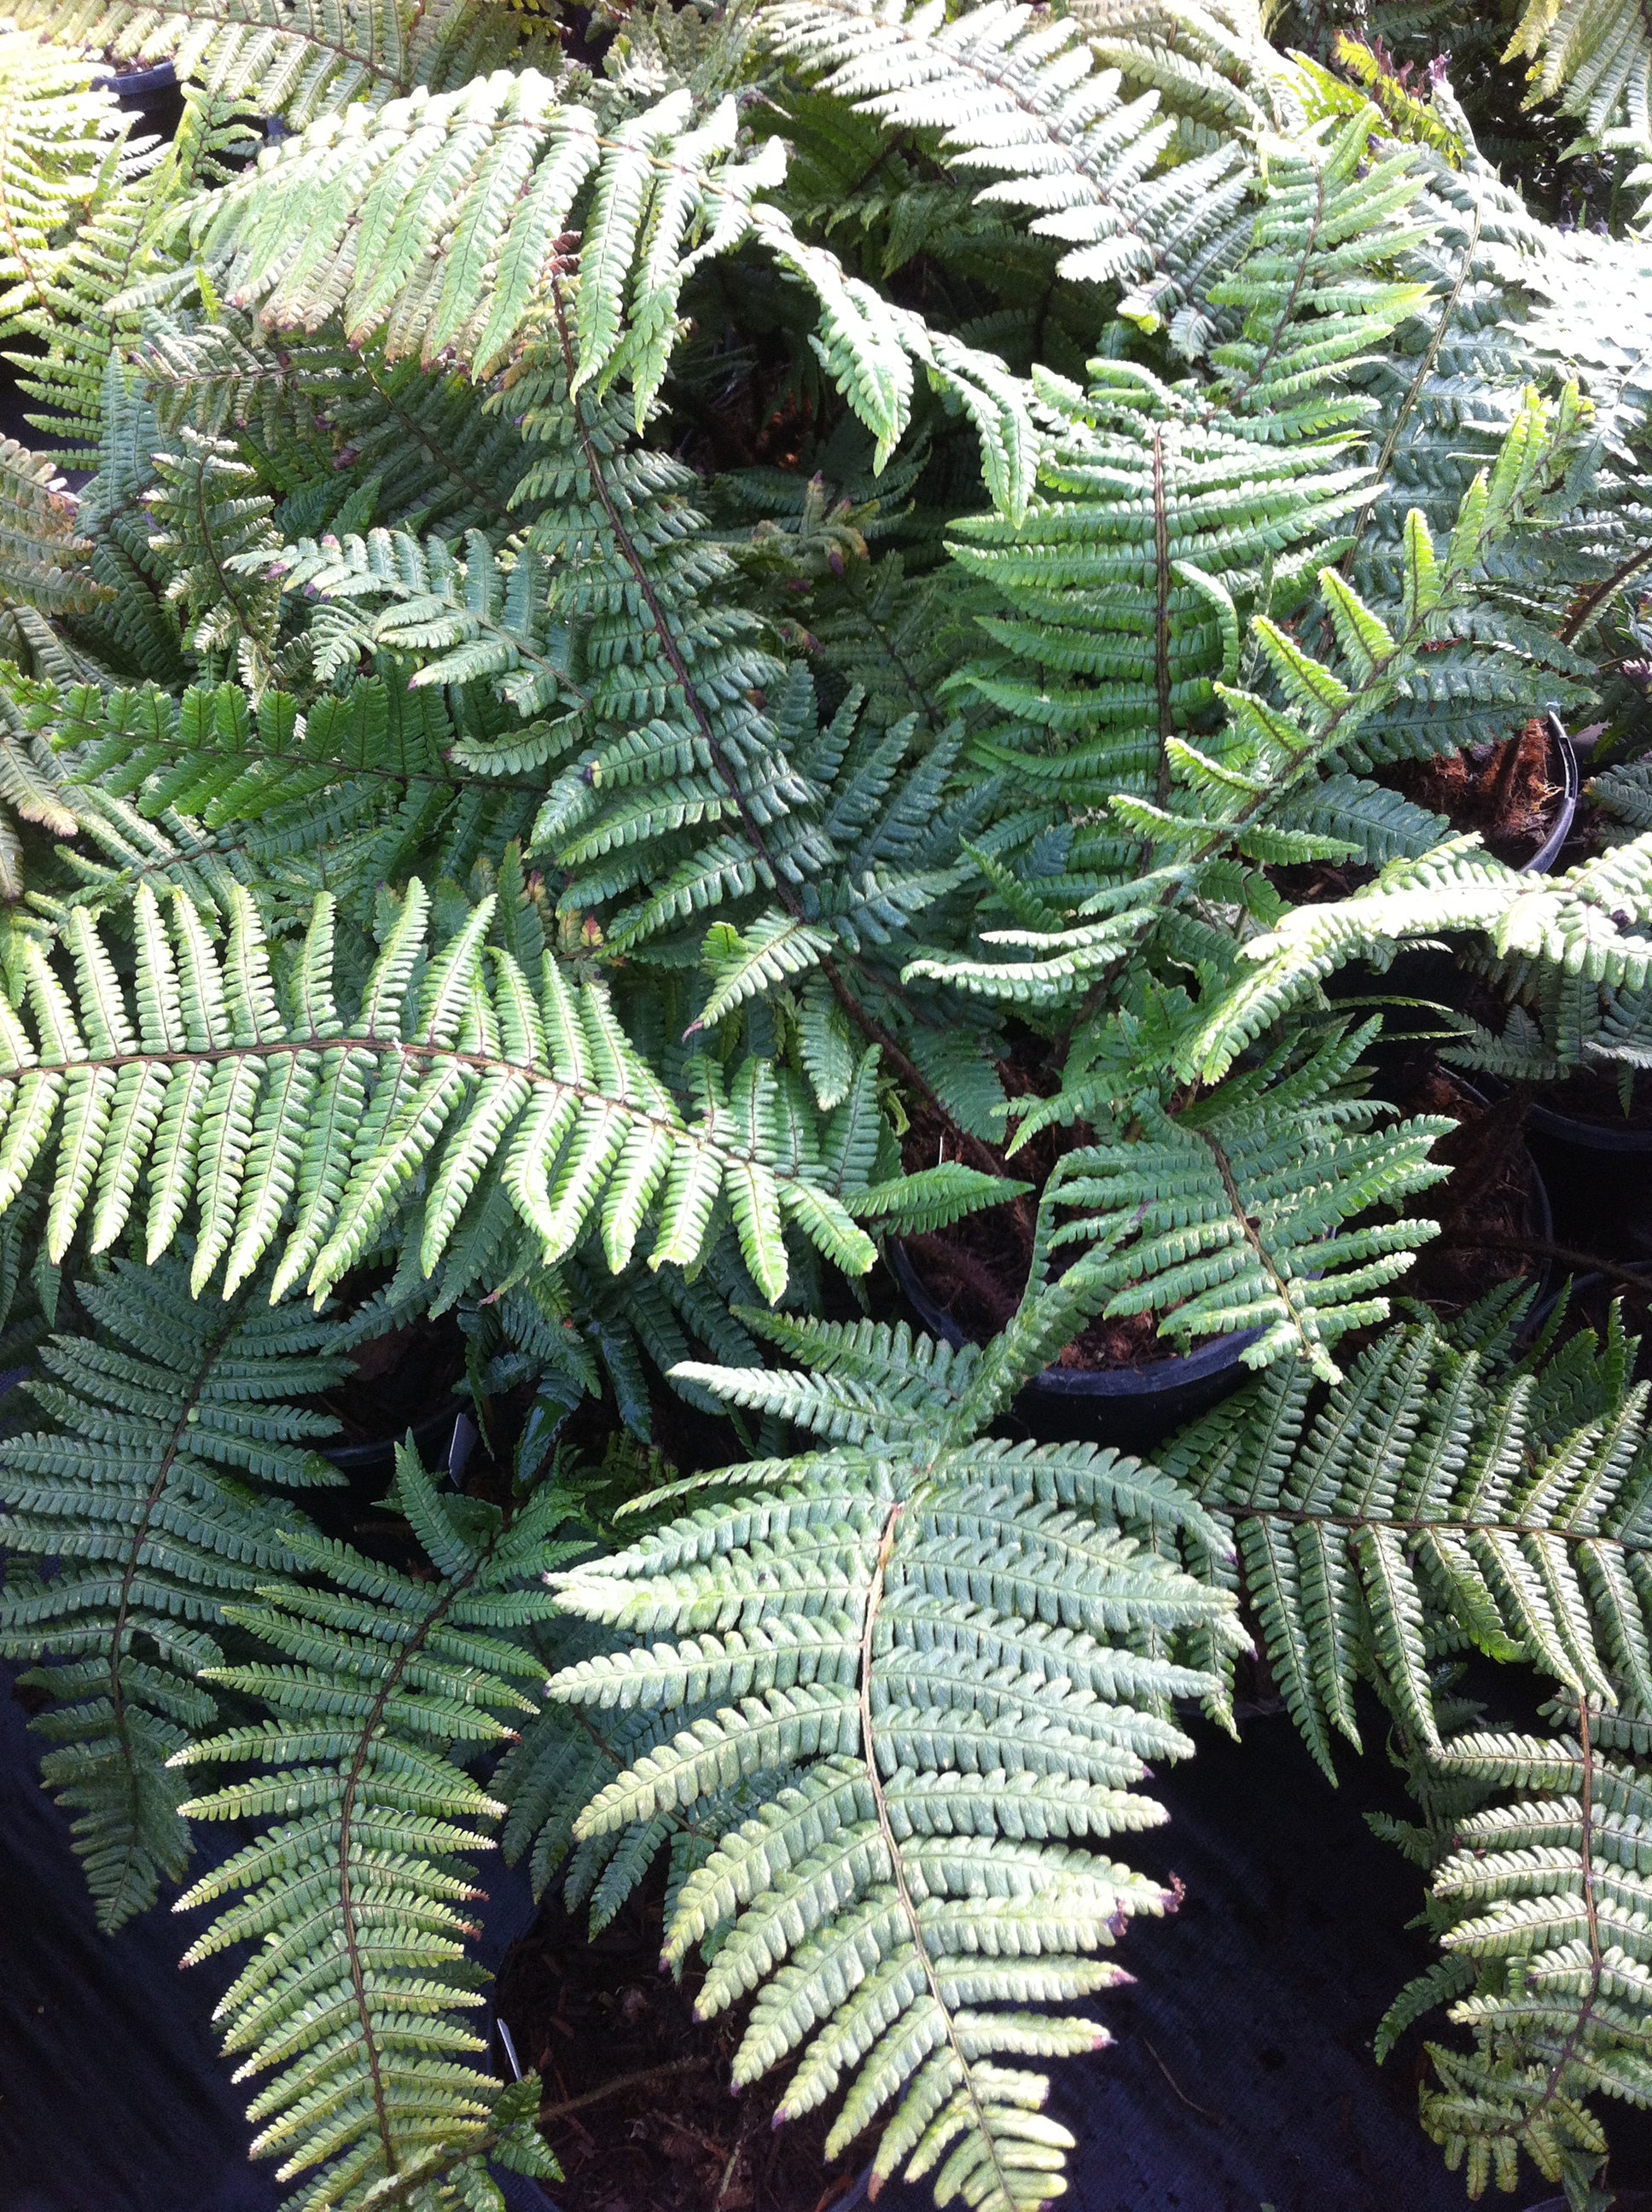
[
  {"x": 146, "y": 1504},
  {"x": 1234, "y": 1213},
  {"x": 1592, "y": 925}
]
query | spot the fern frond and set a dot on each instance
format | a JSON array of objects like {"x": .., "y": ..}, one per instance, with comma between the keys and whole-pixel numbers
[
  {"x": 1006, "y": 93},
  {"x": 170, "y": 1426},
  {"x": 354, "y": 2001},
  {"x": 372, "y": 771},
  {"x": 1231, "y": 1215},
  {"x": 1428, "y": 1494},
  {"x": 945, "y": 1651},
  {"x": 1540, "y": 1903},
  {"x": 300, "y": 60},
  {"x": 448, "y": 1070},
  {"x": 1597, "y": 61}
]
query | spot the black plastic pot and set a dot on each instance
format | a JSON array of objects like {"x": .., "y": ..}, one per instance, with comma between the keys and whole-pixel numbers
[
  {"x": 153, "y": 95},
  {"x": 1600, "y": 1175},
  {"x": 1131, "y": 1407},
  {"x": 1571, "y": 785},
  {"x": 447, "y": 1432},
  {"x": 1134, "y": 1408}
]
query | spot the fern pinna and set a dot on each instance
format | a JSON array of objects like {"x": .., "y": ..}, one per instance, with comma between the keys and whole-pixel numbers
[
  {"x": 153, "y": 1499},
  {"x": 942, "y": 1662},
  {"x": 381, "y": 1685}
]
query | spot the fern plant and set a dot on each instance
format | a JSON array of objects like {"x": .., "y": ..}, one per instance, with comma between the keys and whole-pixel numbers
[
  {"x": 663, "y": 667},
  {"x": 1439, "y": 1492}
]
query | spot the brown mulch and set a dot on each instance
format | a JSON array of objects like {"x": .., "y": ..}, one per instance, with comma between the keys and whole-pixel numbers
[
  {"x": 1508, "y": 793},
  {"x": 977, "y": 1268},
  {"x": 1487, "y": 1211}
]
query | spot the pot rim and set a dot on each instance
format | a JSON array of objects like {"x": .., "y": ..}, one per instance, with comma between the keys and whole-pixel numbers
[
  {"x": 1154, "y": 1380},
  {"x": 1571, "y": 791}
]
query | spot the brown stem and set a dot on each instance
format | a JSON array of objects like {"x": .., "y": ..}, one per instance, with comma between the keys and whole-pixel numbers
[
  {"x": 1424, "y": 370},
  {"x": 1162, "y": 617},
  {"x": 641, "y": 2080},
  {"x": 1591, "y": 602},
  {"x": 875, "y": 1591},
  {"x": 140, "y": 1538},
  {"x": 1554, "y": 2085},
  {"x": 911, "y": 1074},
  {"x": 367, "y": 1736}
]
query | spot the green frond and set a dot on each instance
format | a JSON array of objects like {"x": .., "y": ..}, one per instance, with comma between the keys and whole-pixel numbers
[
  {"x": 1005, "y": 94},
  {"x": 1232, "y": 1213},
  {"x": 353, "y": 2003},
  {"x": 1597, "y": 61},
  {"x": 1539, "y": 1903},
  {"x": 945, "y": 1655},
  {"x": 150, "y": 1496},
  {"x": 373, "y": 769},
  {"x": 300, "y": 1126},
  {"x": 300, "y": 60},
  {"x": 1429, "y": 1495},
  {"x": 504, "y": 168}
]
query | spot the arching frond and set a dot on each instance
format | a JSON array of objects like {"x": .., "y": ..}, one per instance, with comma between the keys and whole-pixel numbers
[
  {"x": 940, "y": 1657},
  {"x": 302, "y": 1126}
]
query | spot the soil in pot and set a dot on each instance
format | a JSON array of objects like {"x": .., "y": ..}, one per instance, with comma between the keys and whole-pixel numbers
[
  {"x": 636, "y": 2102},
  {"x": 978, "y": 1280},
  {"x": 1512, "y": 795},
  {"x": 976, "y": 1270},
  {"x": 1119, "y": 1382},
  {"x": 1493, "y": 1213}
]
